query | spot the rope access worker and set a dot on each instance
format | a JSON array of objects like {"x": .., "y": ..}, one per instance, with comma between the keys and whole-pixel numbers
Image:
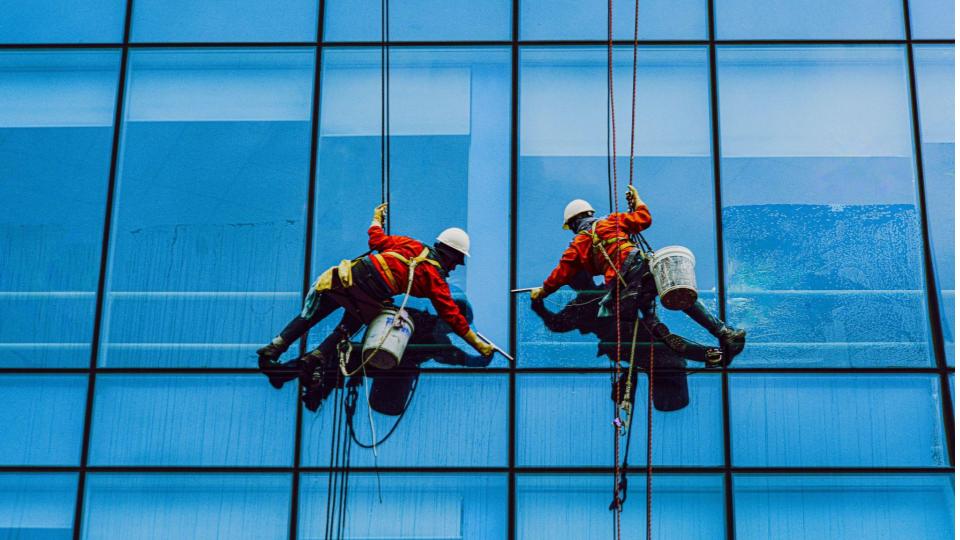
[
  {"x": 598, "y": 250},
  {"x": 366, "y": 284}
]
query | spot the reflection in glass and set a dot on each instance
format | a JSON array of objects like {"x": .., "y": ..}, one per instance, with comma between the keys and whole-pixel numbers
[
  {"x": 844, "y": 506},
  {"x": 587, "y": 19},
  {"x": 935, "y": 97},
  {"x": 452, "y": 421},
  {"x": 191, "y": 420},
  {"x": 564, "y": 421},
  {"x": 450, "y": 138},
  {"x": 563, "y": 156},
  {"x": 42, "y": 419},
  {"x": 821, "y": 227},
  {"x": 418, "y": 20},
  {"x": 222, "y": 20},
  {"x": 809, "y": 19},
  {"x": 932, "y": 19},
  {"x": 413, "y": 506},
  {"x": 208, "y": 237},
  {"x": 575, "y": 507},
  {"x": 56, "y": 132},
  {"x": 62, "y": 21},
  {"x": 836, "y": 420},
  {"x": 37, "y": 505},
  {"x": 205, "y": 505}
]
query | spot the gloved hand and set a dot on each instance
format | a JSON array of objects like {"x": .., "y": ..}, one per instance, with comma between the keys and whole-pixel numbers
[
  {"x": 633, "y": 198},
  {"x": 537, "y": 294},
  {"x": 379, "y": 214},
  {"x": 482, "y": 347}
]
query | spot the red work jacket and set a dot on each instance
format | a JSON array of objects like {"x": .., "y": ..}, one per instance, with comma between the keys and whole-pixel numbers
[
  {"x": 427, "y": 281},
  {"x": 582, "y": 256}
]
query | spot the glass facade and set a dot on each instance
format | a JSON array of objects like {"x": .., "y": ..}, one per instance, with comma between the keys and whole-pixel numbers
[{"x": 173, "y": 175}]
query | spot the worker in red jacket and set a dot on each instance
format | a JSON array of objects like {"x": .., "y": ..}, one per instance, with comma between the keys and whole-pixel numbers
[
  {"x": 602, "y": 246},
  {"x": 363, "y": 286}
]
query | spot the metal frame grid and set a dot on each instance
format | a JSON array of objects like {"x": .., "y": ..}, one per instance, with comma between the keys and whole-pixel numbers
[{"x": 511, "y": 470}]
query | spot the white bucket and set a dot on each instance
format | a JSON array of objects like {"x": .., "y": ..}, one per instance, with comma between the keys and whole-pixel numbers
[
  {"x": 673, "y": 271},
  {"x": 386, "y": 338}
]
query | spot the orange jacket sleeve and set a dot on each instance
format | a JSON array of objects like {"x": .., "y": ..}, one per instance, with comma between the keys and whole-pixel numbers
[
  {"x": 634, "y": 222},
  {"x": 439, "y": 294},
  {"x": 568, "y": 267},
  {"x": 379, "y": 240}
]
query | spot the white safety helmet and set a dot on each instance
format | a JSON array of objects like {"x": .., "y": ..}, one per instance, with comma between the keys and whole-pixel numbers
[
  {"x": 575, "y": 208},
  {"x": 455, "y": 238}
]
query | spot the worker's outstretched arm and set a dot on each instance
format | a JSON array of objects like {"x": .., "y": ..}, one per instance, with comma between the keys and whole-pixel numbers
[
  {"x": 379, "y": 240},
  {"x": 638, "y": 218},
  {"x": 566, "y": 269},
  {"x": 448, "y": 311}
]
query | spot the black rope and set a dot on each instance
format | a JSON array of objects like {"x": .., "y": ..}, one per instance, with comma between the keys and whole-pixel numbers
[
  {"x": 385, "y": 106},
  {"x": 353, "y": 433}
]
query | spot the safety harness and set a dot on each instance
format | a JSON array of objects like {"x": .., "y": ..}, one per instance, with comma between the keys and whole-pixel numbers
[{"x": 600, "y": 244}]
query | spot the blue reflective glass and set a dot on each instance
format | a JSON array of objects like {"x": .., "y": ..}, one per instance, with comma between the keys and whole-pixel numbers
[
  {"x": 224, "y": 20},
  {"x": 412, "y": 506},
  {"x": 837, "y": 420},
  {"x": 821, "y": 227},
  {"x": 206, "y": 505},
  {"x": 191, "y": 420},
  {"x": 809, "y": 19},
  {"x": 574, "y": 507},
  {"x": 563, "y": 156},
  {"x": 56, "y": 132},
  {"x": 932, "y": 19},
  {"x": 418, "y": 20},
  {"x": 62, "y": 21},
  {"x": 450, "y": 137},
  {"x": 935, "y": 97},
  {"x": 564, "y": 421},
  {"x": 208, "y": 237},
  {"x": 431, "y": 433},
  {"x": 42, "y": 419},
  {"x": 844, "y": 506},
  {"x": 587, "y": 19},
  {"x": 37, "y": 506}
]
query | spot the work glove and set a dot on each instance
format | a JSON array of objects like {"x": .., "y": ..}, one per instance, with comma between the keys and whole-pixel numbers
[
  {"x": 633, "y": 198},
  {"x": 379, "y": 214},
  {"x": 537, "y": 293},
  {"x": 482, "y": 347}
]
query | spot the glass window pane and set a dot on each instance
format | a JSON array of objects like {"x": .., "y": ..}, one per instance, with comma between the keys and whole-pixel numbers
[
  {"x": 37, "y": 506},
  {"x": 587, "y": 19},
  {"x": 191, "y": 420},
  {"x": 821, "y": 227},
  {"x": 208, "y": 237},
  {"x": 413, "y": 506},
  {"x": 450, "y": 137},
  {"x": 224, "y": 20},
  {"x": 932, "y": 19},
  {"x": 844, "y": 506},
  {"x": 809, "y": 19},
  {"x": 56, "y": 134},
  {"x": 418, "y": 20},
  {"x": 684, "y": 506},
  {"x": 62, "y": 21},
  {"x": 575, "y": 430},
  {"x": 837, "y": 420},
  {"x": 42, "y": 419},
  {"x": 473, "y": 434},
  {"x": 186, "y": 506},
  {"x": 563, "y": 156},
  {"x": 935, "y": 97}
]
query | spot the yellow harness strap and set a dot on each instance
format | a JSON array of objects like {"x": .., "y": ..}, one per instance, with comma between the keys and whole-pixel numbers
[
  {"x": 411, "y": 264},
  {"x": 598, "y": 245}
]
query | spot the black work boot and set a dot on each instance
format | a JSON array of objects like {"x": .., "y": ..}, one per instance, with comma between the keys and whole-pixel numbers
[
  {"x": 732, "y": 342},
  {"x": 268, "y": 356}
]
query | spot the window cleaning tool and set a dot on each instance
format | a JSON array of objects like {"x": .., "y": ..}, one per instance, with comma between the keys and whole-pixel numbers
[{"x": 496, "y": 348}]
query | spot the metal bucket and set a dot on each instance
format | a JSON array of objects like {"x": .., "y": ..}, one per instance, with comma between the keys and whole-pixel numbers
[
  {"x": 386, "y": 338},
  {"x": 673, "y": 272}
]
